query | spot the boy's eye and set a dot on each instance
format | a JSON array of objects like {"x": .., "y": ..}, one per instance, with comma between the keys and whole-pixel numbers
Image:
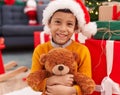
[
  {"x": 57, "y": 21},
  {"x": 70, "y": 24}
]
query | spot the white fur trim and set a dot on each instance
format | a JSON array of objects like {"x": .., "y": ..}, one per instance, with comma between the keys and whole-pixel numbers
[
  {"x": 89, "y": 29},
  {"x": 27, "y": 9},
  {"x": 47, "y": 29},
  {"x": 62, "y": 4}
]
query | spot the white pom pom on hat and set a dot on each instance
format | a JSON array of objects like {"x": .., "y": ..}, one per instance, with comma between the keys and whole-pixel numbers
[
  {"x": 78, "y": 9},
  {"x": 31, "y": 3}
]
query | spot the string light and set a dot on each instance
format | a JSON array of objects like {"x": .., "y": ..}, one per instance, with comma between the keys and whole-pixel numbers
[
  {"x": 96, "y": 12},
  {"x": 93, "y": 6},
  {"x": 109, "y": 0}
]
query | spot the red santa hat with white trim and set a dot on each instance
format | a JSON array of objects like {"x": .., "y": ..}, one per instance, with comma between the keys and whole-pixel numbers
[{"x": 78, "y": 9}]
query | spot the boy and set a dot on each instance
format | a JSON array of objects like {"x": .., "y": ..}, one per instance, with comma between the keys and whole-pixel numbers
[{"x": 62, "y": 18}]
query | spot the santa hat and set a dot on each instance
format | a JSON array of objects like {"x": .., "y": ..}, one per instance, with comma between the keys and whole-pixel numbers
[{"x": 78, "y": 9}]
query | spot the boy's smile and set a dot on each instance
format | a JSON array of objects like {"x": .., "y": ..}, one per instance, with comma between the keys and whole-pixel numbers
[
  {"x": 62, "y": 27},
  {"x": 61, "y": 36}
]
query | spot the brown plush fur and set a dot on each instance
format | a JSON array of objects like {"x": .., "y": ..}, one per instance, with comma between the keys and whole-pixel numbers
[{"x": 54, "y": 58}]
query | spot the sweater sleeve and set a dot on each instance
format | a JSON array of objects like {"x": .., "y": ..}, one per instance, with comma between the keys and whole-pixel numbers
[
  {"x": 84, "y": 65},
  {"x": 37, "y": 66},
  {"x": 79, "y": 92}
]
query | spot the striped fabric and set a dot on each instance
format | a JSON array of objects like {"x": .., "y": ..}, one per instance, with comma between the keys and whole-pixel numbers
[{"x": 42, "y": 37}]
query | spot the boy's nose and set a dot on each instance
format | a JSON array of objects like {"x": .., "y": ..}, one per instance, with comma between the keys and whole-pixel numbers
[{"x": 63, "y": 27}]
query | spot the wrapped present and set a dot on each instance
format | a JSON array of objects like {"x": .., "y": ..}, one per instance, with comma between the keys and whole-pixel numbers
[
  {"x": 105, "y": 66},
  {"x": 109, "y": 12},
  {"x": 106, "y": 3},
  {"x": 2, "y": 46},
  {"x": 1, "y": 2},
  {"x": 9, "y": 2},
  {"x": 108, "y": 30},
  {"x": 2, "y": 70},
  {"x": 20, "y": 2}
]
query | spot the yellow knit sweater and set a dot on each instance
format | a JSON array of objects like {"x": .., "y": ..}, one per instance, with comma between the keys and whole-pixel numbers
[{"x": 84, "y": 62}]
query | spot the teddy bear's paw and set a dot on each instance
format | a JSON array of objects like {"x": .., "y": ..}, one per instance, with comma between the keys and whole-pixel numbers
[
  {"x": 34, "y": 79},
  {"x": 88, "y": 89},
  {"x": 86, "y": 83}
]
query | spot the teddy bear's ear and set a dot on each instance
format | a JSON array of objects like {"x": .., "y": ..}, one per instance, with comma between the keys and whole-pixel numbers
[
  {"x": 75, "y": 56},
  {"x": 43, "y": 58}
]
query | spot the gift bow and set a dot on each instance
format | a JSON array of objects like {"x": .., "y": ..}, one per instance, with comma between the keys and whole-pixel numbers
[
  {"x": 116, "y": 15},
  {"x": 108, "y": 86}
]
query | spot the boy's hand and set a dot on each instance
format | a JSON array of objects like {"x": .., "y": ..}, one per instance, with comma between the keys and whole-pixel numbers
[
  {"x": 66, "y": 80},
  {"x": 60, "y": 90}
]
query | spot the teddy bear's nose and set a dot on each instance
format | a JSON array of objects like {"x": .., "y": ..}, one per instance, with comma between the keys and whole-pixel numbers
[{"x": 60, "y": 68}]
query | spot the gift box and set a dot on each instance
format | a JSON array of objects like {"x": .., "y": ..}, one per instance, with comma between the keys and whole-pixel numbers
[
  {"x": 110, "y": 11},
  {"x": 105, "y": 65},
  {"x": 1, "y": 2},
  {"x": 108, "y": 30},
  {"x": 20, "y": 2},
  {"x": 2, "y": 46}
]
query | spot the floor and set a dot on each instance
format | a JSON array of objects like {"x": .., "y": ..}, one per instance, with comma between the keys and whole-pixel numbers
[
  {"x": 23, "y": 58},
  {"x": 13, "y": 84}
]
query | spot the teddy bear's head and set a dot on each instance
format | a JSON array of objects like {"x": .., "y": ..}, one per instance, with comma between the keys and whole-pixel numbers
[{"x": 59, "y": 61}]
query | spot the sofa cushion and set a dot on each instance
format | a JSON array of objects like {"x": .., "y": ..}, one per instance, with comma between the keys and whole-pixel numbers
[
  {"x": 40, "y": 9},
  {"x": 0, "y": 20},
  {"x": 0, "y": 15},
  {"x": 43, "y": 1},
  {"x": 0, "y": 31},
  {"x": 20, "y": 30},
  {"x": 14, "y": 15},
  {"x": 19, "y": 42}
]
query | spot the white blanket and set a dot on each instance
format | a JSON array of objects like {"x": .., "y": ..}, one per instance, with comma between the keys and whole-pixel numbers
[{"x": 24, "y": 91}]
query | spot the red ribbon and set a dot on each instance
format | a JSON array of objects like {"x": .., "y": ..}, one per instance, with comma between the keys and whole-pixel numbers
[{"x": 116, "y": 15}]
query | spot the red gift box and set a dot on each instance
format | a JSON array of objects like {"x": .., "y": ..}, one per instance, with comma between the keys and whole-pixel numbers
[
  {"x": 99, "y": 62},
  {"x": 2, "y": 46}
]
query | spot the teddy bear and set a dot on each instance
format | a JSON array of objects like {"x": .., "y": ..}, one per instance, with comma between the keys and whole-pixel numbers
[{"x": 60, "y": 61}]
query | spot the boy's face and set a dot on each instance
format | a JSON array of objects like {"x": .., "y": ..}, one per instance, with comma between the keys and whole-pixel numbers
[{"x": 62, "y": 27}]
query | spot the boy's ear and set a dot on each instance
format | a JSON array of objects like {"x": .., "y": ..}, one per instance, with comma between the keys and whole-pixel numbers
[
  {"x": 76, "y": 27},
  {"x": 43, "y": 58}
]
